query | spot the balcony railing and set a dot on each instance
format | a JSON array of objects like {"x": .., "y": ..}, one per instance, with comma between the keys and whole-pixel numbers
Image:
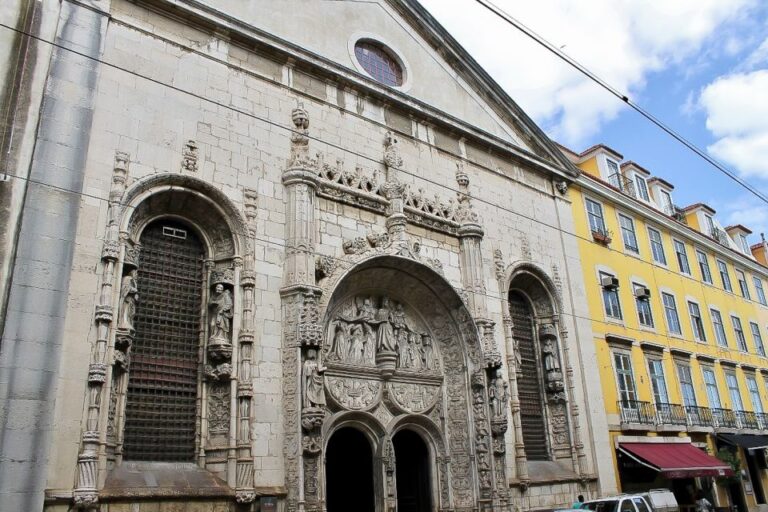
[
  {"x": 747, "y": 419},
  {"x": 720, "y": 236},
  {"x": 724, "y": 418},
  {"x": 698, "y": 416},
  {"x": 635, "y": 411},
  {"x": 670, "y": 414},
  {"x": 623, "y": 183}
]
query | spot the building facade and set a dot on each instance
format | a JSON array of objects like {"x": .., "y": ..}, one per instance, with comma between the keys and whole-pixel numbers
[
  {"x": 290, "y": 256},
  {"x": 679, "y": 316}
]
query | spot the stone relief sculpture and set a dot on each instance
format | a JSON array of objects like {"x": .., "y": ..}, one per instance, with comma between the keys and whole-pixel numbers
[
  {"x": 314, "y": 395},
  {"x": 129, "y": 296},
  {"x": 498, "y": 394},
  {"x": 220, "y": 306},
  {"x": 368, "y": 330},
  {"x": 551, "y": 361}
]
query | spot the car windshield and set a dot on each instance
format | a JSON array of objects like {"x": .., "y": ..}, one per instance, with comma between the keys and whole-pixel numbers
[{"x": 602, "y": 506}]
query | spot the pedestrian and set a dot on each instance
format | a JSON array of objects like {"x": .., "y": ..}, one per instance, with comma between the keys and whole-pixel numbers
[{"x": 579, "y": 503}]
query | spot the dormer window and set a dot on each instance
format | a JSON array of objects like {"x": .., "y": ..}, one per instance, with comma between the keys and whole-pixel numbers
[
  {"x": 666, "y": 202},
  {"x": 710, "y": 225},
  {"x": 744, "y": 244},
  {"x": 614, "y": 177},
  {"x": 642, "y": 188}
]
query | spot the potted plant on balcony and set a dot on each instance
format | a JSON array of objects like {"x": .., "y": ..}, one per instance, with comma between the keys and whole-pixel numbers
[{"x": 602, "y": 236}]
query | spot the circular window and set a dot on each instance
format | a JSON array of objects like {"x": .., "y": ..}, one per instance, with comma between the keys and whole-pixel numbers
[{"x": 379, "y": 62}]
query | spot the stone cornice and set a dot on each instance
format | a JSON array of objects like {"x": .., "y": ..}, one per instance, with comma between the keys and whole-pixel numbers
[
  {"x": 675, "y": 228},
  {"x": 208, "y": 18}
]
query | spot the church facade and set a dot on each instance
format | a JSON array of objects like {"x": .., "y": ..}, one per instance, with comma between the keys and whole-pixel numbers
[{"x": 292, "y": 256}]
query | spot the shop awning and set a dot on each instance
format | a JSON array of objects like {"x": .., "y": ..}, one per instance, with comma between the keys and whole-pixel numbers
[
  {"x": 745, "y": 440},
  {"x": 676, "y": 460}
]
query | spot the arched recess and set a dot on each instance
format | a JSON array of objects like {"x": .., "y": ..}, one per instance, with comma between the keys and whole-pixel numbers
[
  {"x": 181, "y": 206},
  {"x": 534, "y": 315},
  {"x": 439, "y": 395}
]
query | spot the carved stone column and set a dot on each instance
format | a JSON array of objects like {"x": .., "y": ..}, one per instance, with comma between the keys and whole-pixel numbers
[
  {"x": 244, "y": 490},
  {"x": 578, "y": 446},
  {"x": 86, "y": 488},
  {"x": 521, "y": 460},
  {"x": 302, "y": 332}
]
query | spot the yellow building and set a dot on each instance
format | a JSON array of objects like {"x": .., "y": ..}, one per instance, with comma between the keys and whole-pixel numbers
[{"x": 678, "y": 310}]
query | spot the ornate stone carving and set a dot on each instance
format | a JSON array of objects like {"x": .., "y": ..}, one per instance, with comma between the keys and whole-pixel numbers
[
  {"x": 223, "y": 276},
  {"x": 355, "y": 246},
  {"x": 499, "y": 266},
  {"x": 111, "y": 250},
  {"x": 250, "y": 202},
  {"x": 314, "y": 395},
  {"x": 376, "y": 331},
  {"x": 103, "y": 313},
  {"x": 129, "y": 297},
  {"x": 97, "y": 372},
  {"x": 378, "y": 240},
  {"x": 498, "y": 396},
  {"x": 132, "y": 255},
  {"x": 219, "y": 349},
  {"x": 245, "y": 496},
  {"x": 189, "y": 156},
  {"x": 310, "y": 330},
  {"x": 525, "y": 248},
  {"x": 413, "y": 398},
  {"x": 324, "y": 266},
  {"x": 561, "y": 186},
  {"x": 392, "y": 156},
  {"x": 218, "y": 408},
  {"x": 353, "y": 393},
  {"x": 551, "y": 361}
]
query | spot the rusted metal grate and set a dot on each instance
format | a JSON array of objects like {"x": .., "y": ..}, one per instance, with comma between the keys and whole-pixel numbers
[
  {"x": 528, "y": 387},
  {"x": 161, "y": 406}
]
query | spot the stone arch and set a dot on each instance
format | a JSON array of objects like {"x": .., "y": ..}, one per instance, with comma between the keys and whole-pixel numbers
[
  {"x": 367, "y": 423},
  {"x": 368, "y": 284},
  {"x": 213, "y": 214},
  {"x": 534, "y": 282}
]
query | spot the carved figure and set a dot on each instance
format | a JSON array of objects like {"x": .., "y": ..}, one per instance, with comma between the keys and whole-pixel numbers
[
  {"x": 427, "y": 352},
  {"x": 551, "y": 363},
  {"x": 129, "y": 296},
  {"x": 414, "y": 345},
  {"x": 357, "y": 343},
  {"x": 340, "y": 346},
  {"x": 404, "y": 351},
  {"x": 385, "y": 334},
  {"x": 498, "y": 394},
  {"x": 314, "y": 396},
  {"x": 220, "y": 307}
]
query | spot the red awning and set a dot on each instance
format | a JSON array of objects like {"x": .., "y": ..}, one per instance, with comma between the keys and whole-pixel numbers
[{"x": 676, "y": 460}]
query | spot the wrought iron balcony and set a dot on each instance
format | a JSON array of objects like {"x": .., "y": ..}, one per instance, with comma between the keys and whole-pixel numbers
[
  {"x": 623, "y": 183},
  {"x": 720, "y": 236},
  {"x": 724, "y": 418},
  {"x": 637, "y": 412},
  {"x": 762, "y": 420},
  {"x": 670, "y": 414},
  {"x": 747, "y": 419},
  {"x": 698, "y": 416}
]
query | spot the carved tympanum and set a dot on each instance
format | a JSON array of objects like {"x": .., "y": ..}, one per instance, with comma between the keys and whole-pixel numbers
[
  {"x": 352, "y": 393},
  {"x": 366, "y": 330}
]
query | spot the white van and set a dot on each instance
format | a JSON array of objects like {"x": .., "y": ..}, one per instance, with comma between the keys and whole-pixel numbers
[
  {"x": 621, "y": 503},
  {"x": 662, "y": 500}
]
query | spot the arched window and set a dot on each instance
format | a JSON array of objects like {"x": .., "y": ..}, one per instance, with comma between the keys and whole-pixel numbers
[
  {"x": 528, "y": 379},
  {"x": 161, "y": 402}
]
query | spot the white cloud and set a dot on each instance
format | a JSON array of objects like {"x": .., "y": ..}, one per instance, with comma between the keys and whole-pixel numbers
[
  {"x": 622, "y": 41},
  {"x": 748, "y": 211},
  {"x": 737, "y": 115}
]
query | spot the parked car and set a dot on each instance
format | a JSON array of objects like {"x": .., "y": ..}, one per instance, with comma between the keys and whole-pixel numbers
[
  {"x": 621, "y": 503},
  {"x": 662, "y": 500}
]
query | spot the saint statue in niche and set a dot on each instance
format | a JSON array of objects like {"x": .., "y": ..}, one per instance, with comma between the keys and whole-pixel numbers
[
  {"x": 550, "y": 356},
  {"x": 220, "y": 307},
  {"x": 498, "y": 394},
  {"x": 314, "y": 395},
  {"x": 129, "y": 296},
  {"x": 385, "y": 334}
]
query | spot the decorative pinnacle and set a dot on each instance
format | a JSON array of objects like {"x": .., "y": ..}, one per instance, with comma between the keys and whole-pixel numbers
[{"x": 462, "y": 178}]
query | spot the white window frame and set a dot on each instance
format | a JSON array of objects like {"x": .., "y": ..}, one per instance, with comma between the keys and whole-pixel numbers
[
  {"x": 744, "y": 244},
  {"x": 725, "y": 277},
  {"x": 743, "y": 284},
  {"x": 687, "y": 269},
  {"x": 699, "y": 334},
  {"x": 678, "y": 366},
  {"x": 713, "y": 392},
  {"x": 705, "y": 277},
  {"x": 645, "y": 195},
  {"x": 627, "y": 372},
  {"x": 714, "y": 313},
  {"x": 759, "y": 290},
  {"x": 757, "y": 338},
  {"x": 754, "y": 393},
  {"x": 679, "y": 331},
  {"x": 647, "y": 302},
  {"x": 601, "y": 229},
  {"x": 633, "y": 232},
  {"x": 658, "y": 380},
  {"x": 663, "y": 260},
  {"x": 734, "y": 393},
  {"x": 615, "y": 291},
  {"x": 741, "y": 341}
]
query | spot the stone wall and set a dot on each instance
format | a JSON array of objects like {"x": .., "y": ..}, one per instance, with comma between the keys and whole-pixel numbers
[{"x": 165, "y": 83}]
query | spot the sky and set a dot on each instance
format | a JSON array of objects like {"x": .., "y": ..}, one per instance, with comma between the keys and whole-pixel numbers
[{"x": 701, "y": 66}]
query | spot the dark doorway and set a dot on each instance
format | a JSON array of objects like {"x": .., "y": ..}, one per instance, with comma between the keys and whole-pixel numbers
[
  {"x": 349, "y": 472},
  {"x": 412, "y": 459},
  {"x": 754, "y": 475}
]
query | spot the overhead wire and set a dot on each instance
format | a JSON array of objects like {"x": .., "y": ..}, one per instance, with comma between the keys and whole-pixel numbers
[
  {"x": 624, "y": 97},
  {"x": 311, "y": 137}
]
